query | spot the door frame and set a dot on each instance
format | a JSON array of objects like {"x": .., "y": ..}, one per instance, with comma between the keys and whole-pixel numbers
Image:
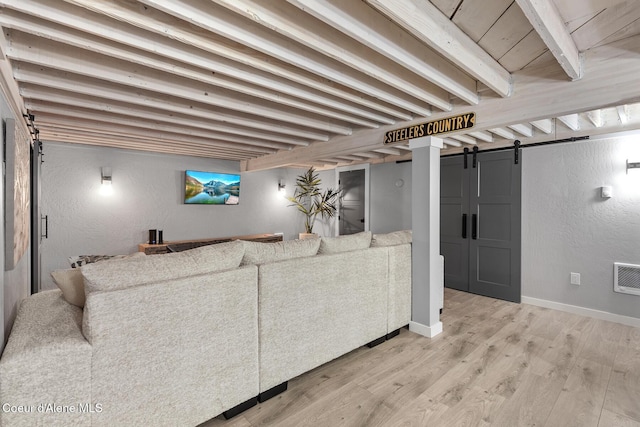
[{"x": 366, "y": 168}]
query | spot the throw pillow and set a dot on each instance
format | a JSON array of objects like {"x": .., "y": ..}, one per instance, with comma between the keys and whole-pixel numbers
[
  {"x": 128, "y": 272},
  {"x": 71, "y": 284},
  {"x": 80, "y": 260},
  {"x": 351, "y": 242},
  {"x": 260, "y": 253},
  {"x": 391, "y": 239}
]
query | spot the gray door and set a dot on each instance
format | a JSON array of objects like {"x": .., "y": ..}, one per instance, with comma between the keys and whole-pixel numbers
[
  {"x": 495, "y": 214},
  {"x": 352, "y": 201},
  {"x": 480, "y": 224},
  {"x": 454, "y": 222}
]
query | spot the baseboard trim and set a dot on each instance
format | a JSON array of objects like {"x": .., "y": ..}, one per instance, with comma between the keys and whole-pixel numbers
[
  {"x": 589, "y": 312},
  {"x": 424, "y": 330}
]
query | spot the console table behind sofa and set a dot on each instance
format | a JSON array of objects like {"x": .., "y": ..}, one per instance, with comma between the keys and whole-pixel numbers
[{"x": 183, "y": 245}]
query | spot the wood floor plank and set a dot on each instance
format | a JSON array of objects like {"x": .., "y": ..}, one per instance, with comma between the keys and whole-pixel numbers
[
  {"x": 623, "y": 394},
  {"x": 611, "y": 419},
  {"x": 531, "y": 403},
  {"x": 580, "y": 402},
  {"x": 604, "y": 342}
]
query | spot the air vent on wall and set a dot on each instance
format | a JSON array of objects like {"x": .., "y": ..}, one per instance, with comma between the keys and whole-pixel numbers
[{"x": 626, "y": 278}]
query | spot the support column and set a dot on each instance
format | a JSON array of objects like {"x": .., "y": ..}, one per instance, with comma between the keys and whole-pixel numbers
[{"x": 426, "y": 275}]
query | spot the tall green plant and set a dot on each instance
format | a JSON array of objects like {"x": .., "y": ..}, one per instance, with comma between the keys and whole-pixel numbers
[{"x": 311, "y": 201}]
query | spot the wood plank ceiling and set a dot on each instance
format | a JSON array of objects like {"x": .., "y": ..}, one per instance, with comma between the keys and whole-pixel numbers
[{"x": 318, "y": 82}]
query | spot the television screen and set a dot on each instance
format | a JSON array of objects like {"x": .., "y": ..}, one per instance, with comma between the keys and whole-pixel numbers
[{"x": 210, "y": 188}]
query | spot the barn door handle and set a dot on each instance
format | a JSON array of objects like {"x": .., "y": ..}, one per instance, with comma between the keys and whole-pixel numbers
[
  {"x": 46, "y": 226},
  {"x": 464, "y": 226},
  {"x": 474, "y": 226}
]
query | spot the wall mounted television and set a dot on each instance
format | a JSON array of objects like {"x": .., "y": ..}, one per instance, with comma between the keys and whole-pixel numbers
[{"x": 211, "y": 188}]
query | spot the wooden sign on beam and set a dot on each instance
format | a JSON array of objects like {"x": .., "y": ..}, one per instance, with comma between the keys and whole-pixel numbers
[{"x": 435, "y": 127}]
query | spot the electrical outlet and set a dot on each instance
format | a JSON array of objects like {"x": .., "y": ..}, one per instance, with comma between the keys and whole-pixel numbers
[{"x": 575, "y": 278}]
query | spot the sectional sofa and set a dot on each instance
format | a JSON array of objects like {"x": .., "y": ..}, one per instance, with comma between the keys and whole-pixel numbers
[{"x": 178, "y": 339}]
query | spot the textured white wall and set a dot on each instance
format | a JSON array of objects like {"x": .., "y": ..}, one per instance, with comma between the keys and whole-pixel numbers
[
  {"x": 390, "y": 200},
  {"x": 568, "y": 227},
  {"x": 148, "y": 193}
]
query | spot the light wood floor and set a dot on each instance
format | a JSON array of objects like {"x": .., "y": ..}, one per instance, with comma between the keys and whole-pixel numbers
[{"x": 495, "y": 364}]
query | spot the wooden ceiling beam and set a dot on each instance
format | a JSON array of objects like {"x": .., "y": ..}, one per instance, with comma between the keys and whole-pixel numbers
[
  {"x": 464, "y": 138},
  {"x": 200, "y": 67},
  {"x": 571, "y": 121},
  {"x": 98, "y": 128},
  {"x": 92, "y": 87},
  {"x": 545, "y": 125},
  {"x": 9, "y": 86},
  {"x": 595, "y": 117},
  {"x": 53, "y": 101},
  {"x": 482, "y": 135},
  {"x": 129, "y": 144},
  {"x": 548, "y": 23},
  {"x": 429, "y": 25},
  {"x": 623, "y": 113},
  {"x": 77, "y": 115},
  {"x": 610, "y": 79},
  {"x": 504, "y": 133},
  {"x": 36, "y": 51},
  {"x": 261, "y": 40},
  {"x": 304, "y": 29},
  {"x": 370, "y": 28},
  {"x": 523, "y": 129},
  {"x": 126, "y": 24}
]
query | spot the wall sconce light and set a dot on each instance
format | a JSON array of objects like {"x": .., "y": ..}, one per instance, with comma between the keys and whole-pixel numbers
[
  {"x": 635, "y": 165},
  {"x": 281, "y": 187},
  {"x": 106, "y": 176}
]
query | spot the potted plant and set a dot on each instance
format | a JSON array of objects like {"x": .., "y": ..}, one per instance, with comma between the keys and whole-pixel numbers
[{"x": 311, "y": 201}]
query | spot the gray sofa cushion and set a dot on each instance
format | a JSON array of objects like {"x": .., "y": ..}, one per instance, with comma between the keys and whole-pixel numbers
[
  {"x": 124, "y": 273},
  {"x": 352, "y": 242},
  {"x": 260, "y": 253},
  {"x": 391, "y": 239}
]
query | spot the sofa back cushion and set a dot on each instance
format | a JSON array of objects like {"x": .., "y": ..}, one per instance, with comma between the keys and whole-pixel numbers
[
  {"x": 260, "y": 253},
  {"x": 391, "y": 239},
  {"x": 351, "y": 242},
  {"x": 125, "y": 273}
]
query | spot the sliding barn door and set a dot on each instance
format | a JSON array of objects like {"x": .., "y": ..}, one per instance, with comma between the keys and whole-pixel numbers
[
  {"x": 454, "y": 222},
  {"x": 480, "y": 223},
  {"x": 494, "y": 250}
]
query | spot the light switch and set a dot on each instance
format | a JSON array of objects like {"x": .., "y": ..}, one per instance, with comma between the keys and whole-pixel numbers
[{"x": 607, "y": 192}]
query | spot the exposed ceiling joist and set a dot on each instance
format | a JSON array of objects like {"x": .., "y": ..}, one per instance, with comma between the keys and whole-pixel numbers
[
  {"x": 545, "y": 125},
  {"x": 428, "y": 24},
  {"x": 571, "y": 121},
  {"x": 546, "y": 20},
  {"x": 371, "y": 29},
  {"x": 310, "y": 82},
  {"x": 531, "y": 102}
]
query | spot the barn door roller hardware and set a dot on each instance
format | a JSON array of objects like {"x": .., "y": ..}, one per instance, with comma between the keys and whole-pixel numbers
[{"x": 516, "y": 146}]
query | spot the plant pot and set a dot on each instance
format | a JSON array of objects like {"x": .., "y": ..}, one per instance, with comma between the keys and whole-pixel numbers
[{"x": 302, "y": 236}]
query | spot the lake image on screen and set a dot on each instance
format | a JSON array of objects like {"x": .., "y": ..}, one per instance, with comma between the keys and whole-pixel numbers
[{"x": 211, "y": 188}]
